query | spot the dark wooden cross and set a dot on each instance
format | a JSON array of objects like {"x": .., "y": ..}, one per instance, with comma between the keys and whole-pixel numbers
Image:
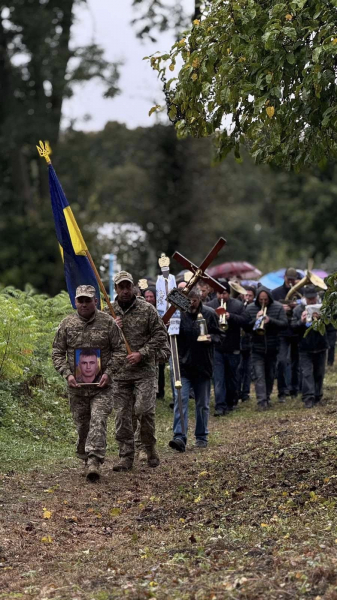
[{"x": 199, "y": 274}]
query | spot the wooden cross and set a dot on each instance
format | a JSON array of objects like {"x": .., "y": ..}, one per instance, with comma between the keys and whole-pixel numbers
[{"x": 199, "y": 273}]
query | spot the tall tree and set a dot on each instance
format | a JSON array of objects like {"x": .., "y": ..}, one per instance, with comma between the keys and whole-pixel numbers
[
  {"x": 38, "y": 68},
  {"x": 259, "y": 74}
]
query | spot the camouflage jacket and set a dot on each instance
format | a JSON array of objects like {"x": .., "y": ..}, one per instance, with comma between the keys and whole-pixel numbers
[
  {"x": 100, "y": 331},
  {"x": 147, "y": 334}
]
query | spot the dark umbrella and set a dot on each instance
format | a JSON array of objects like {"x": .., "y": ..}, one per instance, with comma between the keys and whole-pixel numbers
[{"x": 243, "y": 270}]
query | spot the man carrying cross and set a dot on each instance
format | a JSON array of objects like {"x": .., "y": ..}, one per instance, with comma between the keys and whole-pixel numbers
[
  {"x": 196, "y": 368},
  {"x": 199, "y": 329}
]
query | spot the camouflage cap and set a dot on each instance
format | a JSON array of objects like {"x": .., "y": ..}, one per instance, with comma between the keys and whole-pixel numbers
[
  {"x": 85, "y": 290},
  {"x": 122, "y": 276}
]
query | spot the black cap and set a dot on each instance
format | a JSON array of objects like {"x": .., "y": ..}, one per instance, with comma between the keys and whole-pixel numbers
[
  {"x": 310, "y": 291},
  {"x": 224, "y": 284}
]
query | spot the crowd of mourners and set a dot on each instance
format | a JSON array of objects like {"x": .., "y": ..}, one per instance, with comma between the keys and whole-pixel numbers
[{"x": 257, "y": 338}]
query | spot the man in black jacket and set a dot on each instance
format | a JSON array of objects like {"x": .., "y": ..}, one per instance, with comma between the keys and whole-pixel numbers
[
  {"x": 245, "y": 366},
  {"x": 288, "y": 342},
  {"x": 227, "y": 353},
  {"x": 265, "y": 345},
  {"x": 196, "y": 370},
  {"x": 312, "y": 350}
]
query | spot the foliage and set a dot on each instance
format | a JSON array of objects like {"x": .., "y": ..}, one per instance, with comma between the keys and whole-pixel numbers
[
  {"x": 30, "y": 389},
  {"x": 259, "y": 74},
  {"x": 328, "y": 312},
  {"x": 167, "y": 188}
]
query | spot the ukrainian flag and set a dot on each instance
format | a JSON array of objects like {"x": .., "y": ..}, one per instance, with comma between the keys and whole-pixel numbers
[{"x": 77, "y": 268}]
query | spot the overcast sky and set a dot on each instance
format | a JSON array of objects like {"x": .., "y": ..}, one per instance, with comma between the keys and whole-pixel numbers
[{"x": 107, "y": 22}]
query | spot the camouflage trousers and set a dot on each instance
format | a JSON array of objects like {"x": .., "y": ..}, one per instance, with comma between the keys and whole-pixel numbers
[
  {"x": 90, "y": 414},
  {"x": 135, "y": 401}
]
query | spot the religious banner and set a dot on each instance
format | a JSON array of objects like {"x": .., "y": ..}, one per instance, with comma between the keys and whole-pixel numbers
[{"x": 165, "y": 283}]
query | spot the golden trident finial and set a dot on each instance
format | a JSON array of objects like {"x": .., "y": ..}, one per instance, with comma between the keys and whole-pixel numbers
[
  {"x": 44, "y": 151},
  {"x": 164, "y": 261},
  {"x": 143, "y": 284}
]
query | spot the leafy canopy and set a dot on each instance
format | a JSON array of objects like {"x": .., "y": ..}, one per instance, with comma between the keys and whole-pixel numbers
[{"x": 260, "y": 74}]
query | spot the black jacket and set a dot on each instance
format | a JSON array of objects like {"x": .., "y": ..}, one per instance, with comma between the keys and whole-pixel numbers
[
  {"x": 278, "y": 321},
  {"x": 280, "y": 293},
  {"x": 230, "y": 340},
  {"x": 314, "y": 341},
  {"x": 196, "y": 358}
]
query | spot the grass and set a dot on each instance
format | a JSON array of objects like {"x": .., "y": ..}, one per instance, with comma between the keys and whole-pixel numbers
[{"x": 252, "y": 517}]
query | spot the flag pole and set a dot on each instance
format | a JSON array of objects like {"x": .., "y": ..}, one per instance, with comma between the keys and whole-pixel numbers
[
  {"x": 103, "y": 290},
  {"x": 44, "y": 151}
]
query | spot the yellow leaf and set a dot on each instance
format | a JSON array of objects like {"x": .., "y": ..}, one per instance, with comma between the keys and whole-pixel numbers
[
  {"x": 286, "y": 536},
  {"x": 289, "y": 17},
  {"x": 194, "y": 77},
  {"x": 114, "y": 512},
  {"x": 264, "y": 525},
  {"x": 171, "y": 67},
  {"x": 182, "y": 520},
  {"x": 195, "y": 63},
  {"x": 153, "y": 583},
  {"x": 49, "y": 491},
  {"x": 334, "y": 41},
  {"x": 153, "y": 109},
  {"x": 90, "y": 510},
  {"x": 326, "y": 480},
  {"x": 203, "y": 474},
  {"x": 198, "y": 499},
  {"x": 65, "y": 501},
  {"x": 46, "y": 539},
  {"x": 46, "y": 513},
  {"x": 182, "y": 42},
  {"x": 196, "y": 22},
  {"x": 270, "y": 110},
  {"x": 98, "y": 516}
]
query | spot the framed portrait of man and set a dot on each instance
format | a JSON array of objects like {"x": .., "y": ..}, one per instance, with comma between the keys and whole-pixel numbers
[{"x": 88, "y": 369}]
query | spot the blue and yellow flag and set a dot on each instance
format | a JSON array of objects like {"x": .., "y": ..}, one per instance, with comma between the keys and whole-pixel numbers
[{"x": 77, "y": 268}]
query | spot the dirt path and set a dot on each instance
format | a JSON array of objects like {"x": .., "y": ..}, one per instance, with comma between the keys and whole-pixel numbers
[{"x": 252, "y": 517}]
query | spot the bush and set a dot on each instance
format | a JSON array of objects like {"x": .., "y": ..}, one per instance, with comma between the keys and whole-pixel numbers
[{"x": 32, "y": 395}]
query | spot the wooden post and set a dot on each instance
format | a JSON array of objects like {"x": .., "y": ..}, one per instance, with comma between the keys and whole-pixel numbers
[{"x": 103, "y": 290}]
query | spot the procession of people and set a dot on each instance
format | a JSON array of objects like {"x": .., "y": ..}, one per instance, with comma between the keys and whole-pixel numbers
[{"x": 228, "y": 338}]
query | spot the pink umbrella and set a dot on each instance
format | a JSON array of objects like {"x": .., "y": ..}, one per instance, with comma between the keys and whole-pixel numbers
[{"x": 243, "y": 270}]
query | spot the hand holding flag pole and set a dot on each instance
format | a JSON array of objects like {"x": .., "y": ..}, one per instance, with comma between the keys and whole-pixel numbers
[{"x": 79, "y": 267}]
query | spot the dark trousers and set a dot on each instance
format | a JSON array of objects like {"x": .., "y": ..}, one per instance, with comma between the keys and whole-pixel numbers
[
  {"x": 332, "y": 342},
  {"x": 264, "y": 366},
  {"x": 225, "y": 376},
  {"x": 313, "y": 369},
  {"x": 244, "y": 374},
  {"x": 161, "y": 381},
  {"x": 288, "y": 380}
]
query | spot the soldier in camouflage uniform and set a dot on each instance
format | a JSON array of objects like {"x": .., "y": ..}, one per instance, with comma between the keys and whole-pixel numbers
[
  {"x": 135, "y": 383},
  {"x": 90, "y": 404}
]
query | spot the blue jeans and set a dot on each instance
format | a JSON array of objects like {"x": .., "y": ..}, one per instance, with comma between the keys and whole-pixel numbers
[
  {"x": 202, "y": 390},
  {"x": 225, "y": 380}
]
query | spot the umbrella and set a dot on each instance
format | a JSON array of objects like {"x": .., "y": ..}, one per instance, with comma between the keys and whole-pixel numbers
[
  {"x": 243, "y": 270},
  {"x": 275, "y": 278}
]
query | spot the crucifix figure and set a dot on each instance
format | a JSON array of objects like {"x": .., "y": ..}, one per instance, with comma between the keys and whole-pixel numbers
[{"x": 178, "y": 298}]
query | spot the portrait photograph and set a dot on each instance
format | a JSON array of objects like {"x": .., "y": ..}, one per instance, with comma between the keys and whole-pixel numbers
[{"x": 88, "y": 366}]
